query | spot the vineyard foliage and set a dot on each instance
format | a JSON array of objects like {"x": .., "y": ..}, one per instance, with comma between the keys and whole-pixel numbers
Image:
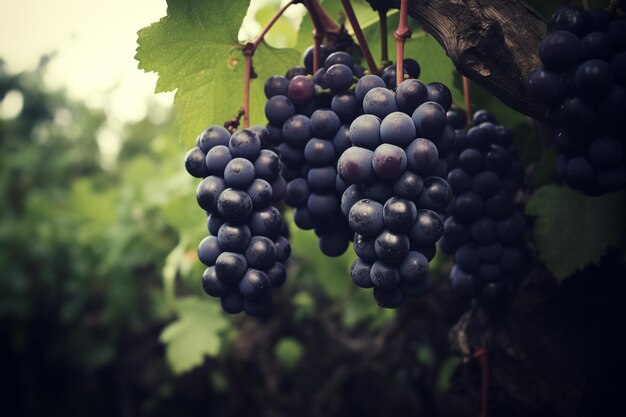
[
  {"x": 195, "y": 51},
  {"x": 93, "y": 253}
]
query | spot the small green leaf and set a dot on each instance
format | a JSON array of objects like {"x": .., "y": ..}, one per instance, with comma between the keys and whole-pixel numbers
[
  {"x": 288, "y": 352},
  {"x": 573, "y": 230},
  {"x": 446, "y": 371},
  {"x": 195, "y": 51},
  {"x": 194, "y": 334},
  {"x": 304, "y": 305}
]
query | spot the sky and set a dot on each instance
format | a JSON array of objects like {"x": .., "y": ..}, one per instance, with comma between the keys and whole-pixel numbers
[{"x": 94, "y": 42}]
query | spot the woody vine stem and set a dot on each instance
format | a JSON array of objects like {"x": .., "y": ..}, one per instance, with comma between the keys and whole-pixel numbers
[{"x": 401, "y": 35}]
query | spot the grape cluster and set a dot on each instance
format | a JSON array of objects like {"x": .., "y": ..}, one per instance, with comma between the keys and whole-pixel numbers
[
  {"x": 308, "y": 122},
  {"x": 483, "y": 230},
  {"x": 246, "y": 251},
  {"x": 397, "y": 192},
  {"x": 583, "y": 82}
]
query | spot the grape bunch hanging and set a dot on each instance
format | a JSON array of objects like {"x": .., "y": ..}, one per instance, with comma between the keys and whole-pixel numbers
[
  {"x": 484, "y": 228},
  {"x": 361, "y": 159},
  {"x": 246, "y": 251},
  {"x": 583, "y": 82}
]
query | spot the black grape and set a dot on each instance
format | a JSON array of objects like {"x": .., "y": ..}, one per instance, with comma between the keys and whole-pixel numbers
[
  {"x": 365, "y": 84},
  {"x": 397, "y": 129},
  {"x": 365, "y": 132},
  {"x": 429, "y": 119},
  {"x": 338, "y": 78},
  {"x": 195, "y": 163},
  {"x": 276, "y": 86},
  {"x": 379, "y": 102},
  {"x": 217, "y": 158},
  {"x": 581, "y": 81},
  {"x": 360, "y": 273},
  {"x": 300, "y": 90},
  {"x": 211, "y": 137},
  {"x": 483, "y": 222},
  {"x": 233, "y": 237},
  {"x": 366, "y": 218},
  {"x": 389, "y": 161},
  {"x": 208, "y": 250},
  {"x": 278, "y": 109},
  {"x": 239, "y": 173},
  {"x": 440, "y": 94}
]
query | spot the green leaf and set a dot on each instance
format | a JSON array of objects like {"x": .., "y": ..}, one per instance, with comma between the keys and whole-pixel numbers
[
  {"x": 573, "y": 230},
  {"x": 445, "y": 373},
  {"x": 194, "y": 334},
  {"x": 195, "y": 51},
  {"x": 288, "y": 352}
]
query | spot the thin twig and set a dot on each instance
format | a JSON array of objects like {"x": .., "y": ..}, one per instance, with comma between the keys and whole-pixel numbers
[
  {"x": 248, "y": 52},
  {"x": 365, "y": 50},
  {"x": 481, "y": 356},
  {"x": 384, "y": 50},
  {"x": 269, "y": 25},
  {"x": 318, "y": 33},
  {"x": 466, "y": 96}
]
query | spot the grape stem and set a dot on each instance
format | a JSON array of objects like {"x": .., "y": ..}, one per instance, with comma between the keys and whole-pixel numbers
[
  {"x": 384, "y": 51},
  {"x": 401, "y": 34},
  {"x": 586, "y": 4},
  {"x": 481, "y": 356},
  {"x": 318, "y": 32},
  {"x": 365, "y": 50},
  {"x": 248, "y": 52},
  {"x": 466, "y": 96}
]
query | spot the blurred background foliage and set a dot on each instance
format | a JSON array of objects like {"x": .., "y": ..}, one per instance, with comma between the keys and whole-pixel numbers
[{"x": 101, "y": 311}]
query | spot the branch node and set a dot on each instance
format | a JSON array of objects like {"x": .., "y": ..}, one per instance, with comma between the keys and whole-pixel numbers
[{"x": 232, "y": 124}]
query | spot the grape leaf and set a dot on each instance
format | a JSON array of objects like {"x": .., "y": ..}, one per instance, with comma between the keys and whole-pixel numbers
[
  {"x": 195, "y": 51},
  {"x": 573, "y": 230},
  {"x": 288, "y": 351},
  {"x": 194, "y": 334}
]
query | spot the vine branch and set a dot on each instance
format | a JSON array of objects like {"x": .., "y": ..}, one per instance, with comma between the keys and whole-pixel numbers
[
  {"x": 401, "y": 35},
  {"x": 466, "y": 97},
  {"x": 485, "y": 46},
  {"x": 481, "y": 356}
]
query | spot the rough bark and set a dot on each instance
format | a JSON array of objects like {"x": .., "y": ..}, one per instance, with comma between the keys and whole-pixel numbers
[{"x": 492, "y": 42}]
